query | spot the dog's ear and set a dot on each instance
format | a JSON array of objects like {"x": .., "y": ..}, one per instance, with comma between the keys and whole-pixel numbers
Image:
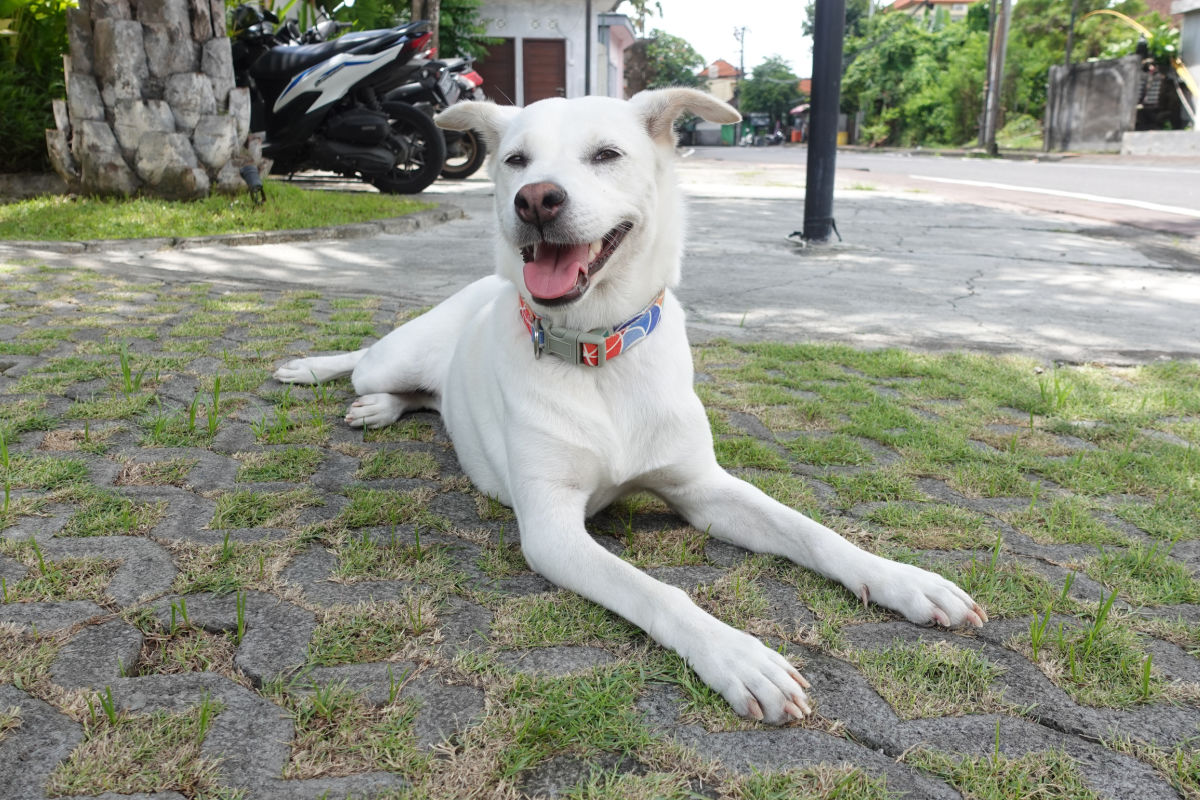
[
  {"x": 660, "y": 108},
  {"x": 487, "y": 118}
]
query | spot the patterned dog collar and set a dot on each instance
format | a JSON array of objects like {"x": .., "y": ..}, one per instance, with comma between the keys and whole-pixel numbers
[{"x": 595, "y": 347}]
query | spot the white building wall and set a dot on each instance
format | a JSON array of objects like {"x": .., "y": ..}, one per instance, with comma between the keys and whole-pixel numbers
[{"x": 542, "y": 19}]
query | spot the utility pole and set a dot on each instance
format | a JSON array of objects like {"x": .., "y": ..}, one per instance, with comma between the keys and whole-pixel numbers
[
  {"x": 1071, "y": 31},
  {"x": 829, "y": 27},
  {"x": 995, "y": 78},
  {"x": 740, "y": 35}
]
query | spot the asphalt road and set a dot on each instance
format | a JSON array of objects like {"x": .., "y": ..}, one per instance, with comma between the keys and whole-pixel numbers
[{"x": 1160, "y": 194}]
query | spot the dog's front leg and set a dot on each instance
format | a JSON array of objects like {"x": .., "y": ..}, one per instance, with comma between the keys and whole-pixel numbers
[
  {"x": 757, "y": 681},
  {"x": 714, "y": 501}
]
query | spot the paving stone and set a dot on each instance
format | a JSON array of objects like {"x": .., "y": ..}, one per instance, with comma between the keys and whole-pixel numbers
[
  {"x": 146, "y": 570},
  {"x": 524, "y": 584},
  {"x": 137, "y": 796},
  {"x": 252, "y": 736},
  {"x": 30, "y": 752},
  {"x": 12, "y": 570},
  {"x": 443, "y": 710},
  {"x": 783, "y": 604},
  {"x": 375, "y": 681},
  {"x": 687, "y": 578},
  {"x": 558, "y": 775},
  {"x": 328, "y": 593},
  {"x": 797, "y": 748},
  {"x": 276, "y": 636},
  {"x": 556, "y": 661},
  {"x": 49, "y": 617},
  {"x": 97, "y": 655},
  {"x": 1110, "y": 774},
  {"x": 464, "y": 625},
  {"x": 724, "y": 554},
  {"x": 211, "y": 472},
  {"x": 186, "y": 517},
  {"x": 314, "y": 564}
]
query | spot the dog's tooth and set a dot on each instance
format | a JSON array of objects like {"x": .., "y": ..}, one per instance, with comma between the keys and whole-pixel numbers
[{"x": 594, "y": 249}]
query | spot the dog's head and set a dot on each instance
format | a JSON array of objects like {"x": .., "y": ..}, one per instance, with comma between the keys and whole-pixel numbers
[{"x": 589, "y": 212}]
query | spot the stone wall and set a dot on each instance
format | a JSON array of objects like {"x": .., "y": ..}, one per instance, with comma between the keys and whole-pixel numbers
[{"x": 151, "y": 104}]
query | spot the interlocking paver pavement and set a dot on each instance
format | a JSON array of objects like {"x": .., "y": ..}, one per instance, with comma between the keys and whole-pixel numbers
[{"x": 167, "y": 542}]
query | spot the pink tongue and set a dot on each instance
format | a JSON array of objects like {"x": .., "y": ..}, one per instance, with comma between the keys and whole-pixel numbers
[{"x": 555, "y": 269}]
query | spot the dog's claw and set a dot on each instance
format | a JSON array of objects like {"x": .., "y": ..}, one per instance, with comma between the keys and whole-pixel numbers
[
  {"x": 865, "y": 595},
  {"x": 755, "y": 709},
  {"x": 979, "y": 612},
  {"x": 940, "y": 618},
  {"x": 793, "y": 710}
]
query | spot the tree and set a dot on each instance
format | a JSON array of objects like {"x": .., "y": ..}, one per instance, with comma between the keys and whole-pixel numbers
[
  {"x": 641, "y": 9},
  {"x": 460, "y": 32},
  {"x": 151, "y": 104},
  {"x": 772, "y": 88},
  {"x": 917, "y": 85},
  {"x": 857, "y": 14},
  {"x": 662, "y": 60}
]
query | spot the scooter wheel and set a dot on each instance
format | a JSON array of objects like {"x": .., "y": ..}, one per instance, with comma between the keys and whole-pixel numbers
[
  {"x": 466, "y": 158},
  {"x": 419, "y": 147}
]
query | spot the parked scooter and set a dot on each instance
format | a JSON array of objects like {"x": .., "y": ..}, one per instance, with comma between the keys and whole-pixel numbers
[
  {"x": 321, "y": 108},
  {"x": 437, "y": 86},
  {"x": 440, "y": 85}
]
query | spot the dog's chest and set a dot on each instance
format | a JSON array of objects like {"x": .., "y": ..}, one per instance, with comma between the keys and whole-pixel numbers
[{"x": 516, "y": 418}]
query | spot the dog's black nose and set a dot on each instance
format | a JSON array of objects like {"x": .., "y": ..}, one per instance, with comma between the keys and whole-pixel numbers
[{"x": 538, "y": 203}]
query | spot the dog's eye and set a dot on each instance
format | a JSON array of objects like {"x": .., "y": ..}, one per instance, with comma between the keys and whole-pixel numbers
[
  {"x": 606, "y": 154},
  {"x": 516, "y": 160}
]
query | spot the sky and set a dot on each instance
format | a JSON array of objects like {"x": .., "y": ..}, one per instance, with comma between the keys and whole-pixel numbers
[{"x": 773, "y": 28}]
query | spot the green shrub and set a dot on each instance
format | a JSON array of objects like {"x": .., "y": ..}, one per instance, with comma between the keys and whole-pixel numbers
[{"x": 31, "y": 75}]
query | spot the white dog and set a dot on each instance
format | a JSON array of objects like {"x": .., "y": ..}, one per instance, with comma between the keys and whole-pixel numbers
[{"x": 558, "y": 422}]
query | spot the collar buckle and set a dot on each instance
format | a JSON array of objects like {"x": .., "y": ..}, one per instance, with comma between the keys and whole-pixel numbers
[
  {"x": 537, "y": 334},
  {"x": 566, "y": 343}
]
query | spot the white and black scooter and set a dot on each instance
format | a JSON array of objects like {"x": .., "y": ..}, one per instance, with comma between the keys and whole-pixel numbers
[{"x": 320, "y": 104}]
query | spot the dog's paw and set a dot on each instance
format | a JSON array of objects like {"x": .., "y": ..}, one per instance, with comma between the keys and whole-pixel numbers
[
  {"x": 374, "y": 411},
  {"x": 923, "y": 597},
  {"x": 300, "y": 370},
  {"x": 755, "y": 680}
]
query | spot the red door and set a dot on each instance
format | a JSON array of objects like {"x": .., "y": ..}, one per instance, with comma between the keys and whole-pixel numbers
[
  {"x": 545, "y": 63},
  {"x": 499, "y": 71}
]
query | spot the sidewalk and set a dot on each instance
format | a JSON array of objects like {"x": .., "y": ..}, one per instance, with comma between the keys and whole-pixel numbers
[
  {"x": 912, "y": 270},
  {"x": 358, "y": 621}
]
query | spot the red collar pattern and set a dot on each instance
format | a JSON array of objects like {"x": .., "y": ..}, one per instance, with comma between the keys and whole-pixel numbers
[{"x": 593, "y": 348}]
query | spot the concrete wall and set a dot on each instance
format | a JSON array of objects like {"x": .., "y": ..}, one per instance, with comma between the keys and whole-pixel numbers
[
  {"x": 560, "y": 19},
  {"x": 1161, "y": 143},
  {"x": 1091, "y": 105}
]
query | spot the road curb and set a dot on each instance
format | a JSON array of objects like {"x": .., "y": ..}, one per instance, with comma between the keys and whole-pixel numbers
[{"x": 444, "y": 212}]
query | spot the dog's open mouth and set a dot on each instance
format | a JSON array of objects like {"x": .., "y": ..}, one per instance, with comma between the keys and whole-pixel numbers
[{"x": 558, "y": 273}]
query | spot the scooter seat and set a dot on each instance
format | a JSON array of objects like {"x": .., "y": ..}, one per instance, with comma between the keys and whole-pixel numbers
[{"x": 282, "y": 62}]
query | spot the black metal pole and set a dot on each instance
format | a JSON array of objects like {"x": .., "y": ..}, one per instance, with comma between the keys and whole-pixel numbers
[
  {"x": 587, "y": 48},
  {"x": 829, "y": 27}
]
